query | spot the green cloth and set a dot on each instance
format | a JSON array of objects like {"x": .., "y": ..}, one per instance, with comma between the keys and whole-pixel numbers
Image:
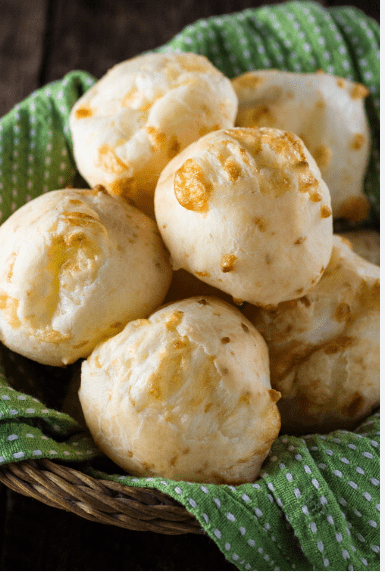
[{"x": 315, "y": 505}]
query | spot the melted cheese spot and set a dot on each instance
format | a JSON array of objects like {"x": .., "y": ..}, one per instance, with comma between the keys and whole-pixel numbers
[
  {"x": 357, "y": 141},
  {"x": 325, "y": 211},
  {"x": 109, "y": 161},
  {"x": 84, "y": 111},
  {"x": 359, "y": 91},
  {"x": 227, "y": 262},
  {"x": 191, "y": 187},
  {"x": 157, "y": 138},
  {"x": 322, "y": 155},
  {"x": 9, "y": 306}
]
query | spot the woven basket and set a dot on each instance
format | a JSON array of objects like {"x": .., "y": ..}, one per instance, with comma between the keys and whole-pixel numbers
[{"x": 99, "y": 500}]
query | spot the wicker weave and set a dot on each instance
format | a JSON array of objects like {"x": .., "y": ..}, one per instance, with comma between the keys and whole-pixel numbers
[{"x": 101, "y": 501}]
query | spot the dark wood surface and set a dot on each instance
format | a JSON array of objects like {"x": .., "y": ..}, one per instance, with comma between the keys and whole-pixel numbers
[{"x": 40, "y": 41}]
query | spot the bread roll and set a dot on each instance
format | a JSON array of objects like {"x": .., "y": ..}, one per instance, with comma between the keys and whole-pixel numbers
[
  {"x": 325, "y": 347},
  {"x": 144, "y": 111},
  {"x": 75, "y": 267},
  {"x": 328, "y": 114},
  {"x": 246, "y": 211},
  {"x": 183, "y": 395}
]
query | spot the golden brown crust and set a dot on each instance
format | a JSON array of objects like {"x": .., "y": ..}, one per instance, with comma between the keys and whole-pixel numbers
[
  {"x": 187, "y": 402},
  {"x": 324, "y": 347}
]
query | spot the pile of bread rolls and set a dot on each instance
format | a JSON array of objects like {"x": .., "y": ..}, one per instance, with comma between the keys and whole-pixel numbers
[{"x": 199, "y": 275}]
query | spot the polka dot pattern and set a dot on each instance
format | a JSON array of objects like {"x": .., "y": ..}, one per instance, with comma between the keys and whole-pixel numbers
[
  {"x": 20, "y": 438},
  {"x": 316, "y": 504}
]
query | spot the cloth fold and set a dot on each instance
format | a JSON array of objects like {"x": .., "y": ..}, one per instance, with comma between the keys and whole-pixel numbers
[{"x": 315, "y": 505}]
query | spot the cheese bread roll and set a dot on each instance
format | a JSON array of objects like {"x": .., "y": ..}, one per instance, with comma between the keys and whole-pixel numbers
[
  {"x": 141, "y": 114},
  {"x": 183, "y": 395},
  {"x": 246, "y": 211},
  {"x": 325, "y": 347},
  {"x": 75, "y": 267},
  {"x": 328, "y": 114}
]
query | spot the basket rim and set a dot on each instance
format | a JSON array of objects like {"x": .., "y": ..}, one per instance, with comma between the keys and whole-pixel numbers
[{"x": 99, "y": 500}]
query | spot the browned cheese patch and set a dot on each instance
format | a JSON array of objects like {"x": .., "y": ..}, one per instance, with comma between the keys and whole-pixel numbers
[
  {"x": 339, "y": 344},
  {"x": 225, "y": 340},
  {"x": 261, "y": 223},
  {"x": 322, "y": 155},
  {"x": 205, "y": 129},
  {"x": 227, "y": 262},
  {"x": 305, "y": 301},
  {"x": 354, "y": 209},
  {"x": 170, "y": 379},
  {"x": 158, "y": 139},
  {"x": 283, "y": 362},
  {"x": 129, "y": 97},
  {"x": 289, "y": 160},
  {"x": 96, "y": 189},
  {"x": 357, "y": 141},
  {"x": 109, "y": 161},
  {"x": 206, "y": 109},
  {"x": 174, "y": 320},
  {"x": 191, "y": 63},
  {"x": 342, "y": 313},
  {"x": 83, "y": 111},
  {"x": 179, "y": 344},
  {"x": 325, "y": 211},
  {"x": 359, "y": 91},
  {"x": 300, "y": 240},
  {"x": 274, "y": 395},
  {"x": 248, "y": 80},
  {"x": 259, "y": 115},
  {"x": 307, "y": 183},
  {"x": 341, "y": 82},
  {"x": 232, "y": 169},
  {"x": 368, "y": 296},
  {"x": 77, "y": 218},
  {"x": 191, "y": 187},
  {"x": 355, "y": 405},
  {"x": 11, "y": 264},
  {"x": 9, "y": 306},
  {"x": 173, "y": 147},
  {"x": 244, "y": 399},
  {"x": 124, "y": 187},
  {"x": 316, "y": 197},
  {"x": 203, "y": 273}
]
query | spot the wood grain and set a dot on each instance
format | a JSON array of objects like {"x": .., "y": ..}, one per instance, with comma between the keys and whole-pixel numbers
[{"x": 22, "y": 34}]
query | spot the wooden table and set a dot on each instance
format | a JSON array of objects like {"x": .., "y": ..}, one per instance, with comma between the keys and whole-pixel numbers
[{"x": 40, "y": 41}]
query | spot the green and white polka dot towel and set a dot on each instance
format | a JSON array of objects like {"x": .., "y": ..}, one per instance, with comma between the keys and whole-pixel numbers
[{"x": 316, "y": 503}]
